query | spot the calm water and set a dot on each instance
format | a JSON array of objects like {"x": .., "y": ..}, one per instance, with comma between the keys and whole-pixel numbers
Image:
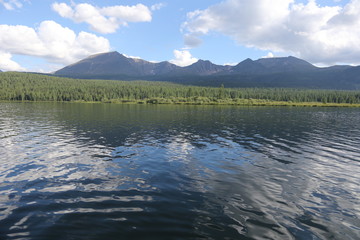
[{"x": 103, "y": 171}]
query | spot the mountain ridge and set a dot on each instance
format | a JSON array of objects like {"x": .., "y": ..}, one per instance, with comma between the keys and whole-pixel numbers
[
  {"x": 264, "y": 72},
  {"x": 116, "y": 63}
]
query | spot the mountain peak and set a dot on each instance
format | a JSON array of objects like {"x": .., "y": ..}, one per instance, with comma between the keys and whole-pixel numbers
[
  {"x": 203, "y": 61},
  {"x": 101, "y": 63},
  {"x": 105, "y": 54},
  {"x": 248, "y": 60},
  {"x": 248, "y": 66},
  {"x": 115, "y": 64},
  {"x": 286, "y": 64},
  {"x": 203, "y": 67}
]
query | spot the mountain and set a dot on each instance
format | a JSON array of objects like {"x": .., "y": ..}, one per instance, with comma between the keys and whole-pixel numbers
[
  {"x": 114, "y": 63},
  {"x": 265, "y": 72},
  {"x": 286, "y": 64},
  {"x": 201, "y": 68},
  {"x": 247, "y": 67},
  {"x": 272, "y": 65},
  {"x": 163, "y": 68},
  {"x": 352, "y": 73}
]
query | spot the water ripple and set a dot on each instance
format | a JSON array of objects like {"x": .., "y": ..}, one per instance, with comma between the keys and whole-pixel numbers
[{"x": 83, "y": 171}]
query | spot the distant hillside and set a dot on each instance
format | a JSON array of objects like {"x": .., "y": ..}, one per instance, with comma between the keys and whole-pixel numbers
[{"x": 266, "y": 72}]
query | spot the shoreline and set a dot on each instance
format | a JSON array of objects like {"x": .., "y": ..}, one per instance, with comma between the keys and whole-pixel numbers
[{"x": 242, "y": 102}]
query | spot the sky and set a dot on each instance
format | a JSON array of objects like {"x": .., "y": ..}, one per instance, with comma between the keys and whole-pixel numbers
[{"x": 46, "y": 35}]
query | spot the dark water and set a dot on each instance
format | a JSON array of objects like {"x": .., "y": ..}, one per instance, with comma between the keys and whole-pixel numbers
[{"x": 97, "y": 171}]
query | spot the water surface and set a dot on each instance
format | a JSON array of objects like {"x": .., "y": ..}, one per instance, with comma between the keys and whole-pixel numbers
[{"x": 106, "y": 171}]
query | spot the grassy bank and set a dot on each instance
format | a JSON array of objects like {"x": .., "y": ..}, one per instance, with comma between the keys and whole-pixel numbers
[
  {"x": 234, "y": 102},
  {"x": 237, "y": 102}
]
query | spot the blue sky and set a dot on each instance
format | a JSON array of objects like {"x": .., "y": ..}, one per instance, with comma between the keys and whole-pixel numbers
[{"x": 47, "y": 35}]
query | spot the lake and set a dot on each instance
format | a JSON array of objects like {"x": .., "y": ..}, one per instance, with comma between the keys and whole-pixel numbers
[{"x": 108, "y": 171}]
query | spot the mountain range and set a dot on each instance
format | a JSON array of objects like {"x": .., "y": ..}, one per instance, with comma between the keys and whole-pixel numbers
[{"x": 265, "y": 72}]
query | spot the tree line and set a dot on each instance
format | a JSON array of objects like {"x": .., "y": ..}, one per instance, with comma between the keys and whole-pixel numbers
[{"x": 16, "y": 86}]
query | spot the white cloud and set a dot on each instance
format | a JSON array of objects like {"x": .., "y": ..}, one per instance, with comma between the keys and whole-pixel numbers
[
  {"x": 63, "y": 10},
  {"x": 46, "y": 68},
  {"x": 7, "y": 64},
  {"x": 310, "y": 31},
  {"x": 230, "y": 64},
  {"x": 51, "y": 41},
  {"x": 104, "y": 20},
  {"x": 157, "y": 6},
  {"x": 133, "y": 57},
  {"x": 183, "y": 58},
  {"x": 192, "y": 41},
  {"x": 11, "y": 4},
  {"x": 269, "y": 55}
]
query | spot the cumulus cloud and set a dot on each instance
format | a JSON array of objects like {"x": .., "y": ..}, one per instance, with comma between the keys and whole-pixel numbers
[
  {"x": 7, "y": 64},
  {"x": 183, "y": 58},
  {"x": 106, "y": 19},
  {"x": 51, "y": 41},
  {"x": 320, "y": 34}
]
